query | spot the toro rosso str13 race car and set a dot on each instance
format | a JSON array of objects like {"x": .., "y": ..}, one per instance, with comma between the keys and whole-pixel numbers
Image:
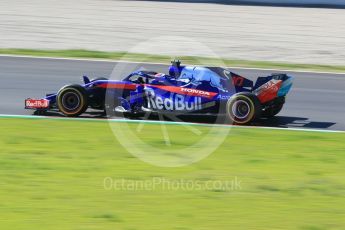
[{"x": 186, "y": 90}]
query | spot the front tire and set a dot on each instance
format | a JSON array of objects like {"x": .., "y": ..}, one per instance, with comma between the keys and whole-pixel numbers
[
  {"x": 243, "y": 108},
  {"x": 72, "y": 100}
]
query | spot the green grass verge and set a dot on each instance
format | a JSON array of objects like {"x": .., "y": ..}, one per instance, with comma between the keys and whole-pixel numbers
[
  {"x": 166, "y": 59},
  {"x": 52, "y": 172}
]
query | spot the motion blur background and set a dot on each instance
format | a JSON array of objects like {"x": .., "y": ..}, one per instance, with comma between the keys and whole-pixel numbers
[{"x": 299, "y": 34}]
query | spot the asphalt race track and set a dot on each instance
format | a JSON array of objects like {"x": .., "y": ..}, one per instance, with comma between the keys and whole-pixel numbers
[{"x": 317, "y": 100}]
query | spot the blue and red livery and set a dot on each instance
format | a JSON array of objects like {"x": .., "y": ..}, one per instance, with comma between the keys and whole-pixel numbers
[{"x": 187, "y": 90}]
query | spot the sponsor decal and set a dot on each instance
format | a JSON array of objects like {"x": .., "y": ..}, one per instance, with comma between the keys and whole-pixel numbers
[
  {"x": 187, "y": 91},
  {"x": 195, "y": 91},
  {"x": 238, "y": 81},
  {"x": 270, "y": 85},
  {"x": 174, "y": 102},
  {"x": 223, "y": 97},
  {"x": 268, "y": 91},
  {"x": 36, "y": 103}
]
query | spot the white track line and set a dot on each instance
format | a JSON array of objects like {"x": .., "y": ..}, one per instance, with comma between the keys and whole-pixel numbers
[
  {"x": 159, "y": 63},
  {"x": 167, "y": 123}
]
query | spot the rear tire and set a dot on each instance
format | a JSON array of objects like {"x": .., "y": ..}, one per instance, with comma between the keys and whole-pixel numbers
[
  {"x": 243, "y": 108},
  {"x": 72, "y": 100},
  {"x": 272, "y": 111}
]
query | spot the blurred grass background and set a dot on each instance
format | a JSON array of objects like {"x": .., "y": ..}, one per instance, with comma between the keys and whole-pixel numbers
[
  {"x": 164, "y": 59},
  {"x": 52, "y": 172}
]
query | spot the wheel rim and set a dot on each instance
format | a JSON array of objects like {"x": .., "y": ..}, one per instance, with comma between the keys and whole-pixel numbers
[
  {"x": 241, "y": 109},
  {"x": 70, "y": 101}
]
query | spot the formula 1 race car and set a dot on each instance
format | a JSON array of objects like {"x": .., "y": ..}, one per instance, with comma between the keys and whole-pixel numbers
[{"x": 186, "y": 90}]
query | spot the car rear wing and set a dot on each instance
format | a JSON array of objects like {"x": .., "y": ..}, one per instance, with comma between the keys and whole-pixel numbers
[
  {"x": 271, "y": 87},
  {"x": 276, "y": 76}
]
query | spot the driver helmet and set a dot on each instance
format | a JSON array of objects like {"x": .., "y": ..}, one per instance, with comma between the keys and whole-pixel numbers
[{"x": 175, "y": 68}]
